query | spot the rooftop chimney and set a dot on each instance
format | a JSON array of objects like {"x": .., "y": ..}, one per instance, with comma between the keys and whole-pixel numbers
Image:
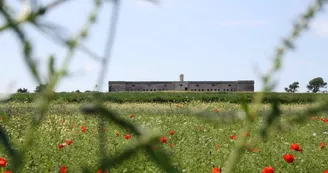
[{"x": 181, "y": 77}]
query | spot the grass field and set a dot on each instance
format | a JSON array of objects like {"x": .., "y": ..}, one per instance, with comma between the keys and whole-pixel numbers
[
  {"x": 173, "y": 97},
  {"x": 194, "y": 147}
]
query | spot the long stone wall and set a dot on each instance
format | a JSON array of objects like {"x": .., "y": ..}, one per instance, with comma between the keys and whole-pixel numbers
[{"x": 115, "y": 86}]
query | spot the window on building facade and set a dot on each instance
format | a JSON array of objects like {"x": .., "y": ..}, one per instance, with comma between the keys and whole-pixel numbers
[
  {"x": 133, "y": 85},
  {"x": 164, "y": 85},
  {"x": 202, "y": 89},
  {"x": 181, "y": 85},
  {"x": 213, "y": 84},
  {"x": 197, "y": 85},
  {"x": 223, "y": 89},
  {"x": 229, "y": 85}
]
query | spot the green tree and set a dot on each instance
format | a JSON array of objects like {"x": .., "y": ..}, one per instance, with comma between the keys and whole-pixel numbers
[
  {"x": 315, "y": 84},
  {"x": 292, "y": 87},
  {"x": 22, "y": 90},
  {"x": 40, "y": 88}
]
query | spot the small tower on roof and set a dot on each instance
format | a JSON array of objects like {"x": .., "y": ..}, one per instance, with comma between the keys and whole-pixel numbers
[{"x": 181, "y": 77}]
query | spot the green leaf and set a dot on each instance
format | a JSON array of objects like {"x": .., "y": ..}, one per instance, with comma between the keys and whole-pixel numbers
[
  {"x": 95, "y": 108},
  {"x": 51, "y": 67},
  {"x": 5, "y": 141},
  {"x": 162, "y": 159}
]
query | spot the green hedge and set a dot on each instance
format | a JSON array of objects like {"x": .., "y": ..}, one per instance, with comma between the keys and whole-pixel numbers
[{"x": 161, "y": 97}]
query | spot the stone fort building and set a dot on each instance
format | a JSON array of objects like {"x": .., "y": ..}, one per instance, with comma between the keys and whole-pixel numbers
[{"x": 214, "y": 86}]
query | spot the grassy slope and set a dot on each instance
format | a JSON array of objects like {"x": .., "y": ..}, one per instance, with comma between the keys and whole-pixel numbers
[{"x": 193, "y": 150}]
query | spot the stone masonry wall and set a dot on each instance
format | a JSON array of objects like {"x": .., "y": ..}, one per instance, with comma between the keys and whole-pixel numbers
[{"x": 115, "y": 86}]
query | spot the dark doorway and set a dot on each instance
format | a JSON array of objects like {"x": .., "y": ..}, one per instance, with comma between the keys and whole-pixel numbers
[{"x": 186, "y": 88}]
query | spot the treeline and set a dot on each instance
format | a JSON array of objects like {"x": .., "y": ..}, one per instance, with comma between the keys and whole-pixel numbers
[{"x": 173, "y": 97}]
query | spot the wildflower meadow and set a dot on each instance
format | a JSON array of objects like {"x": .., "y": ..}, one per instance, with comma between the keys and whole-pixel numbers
[
  {"x": 222, "y": 133},
  {"x": 67, "y": 138}
]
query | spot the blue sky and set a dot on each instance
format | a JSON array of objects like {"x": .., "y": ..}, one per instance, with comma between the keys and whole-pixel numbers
[{"x": 205, "y": 40}]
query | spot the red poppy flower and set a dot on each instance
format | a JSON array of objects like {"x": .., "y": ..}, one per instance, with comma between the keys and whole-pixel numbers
[
  {"x": 198, "y": 128},
  {"x": 162, "y": 139},
  {"x": 216, "y": 170},
  {"x": 325, "y": 171},
  {"x": 127, "y": 136},
  {"x": 117, "y": 134},
  {"x": 171, "y": 132},
  {"x": 100, "y": 171},
  {"x": 7, "y": 172},
  {"x": 62, "y": 169},
  {"x": 268, "y": 169},
  {"x": 322, "y": 145},
  {"x": 60, "y": 146},
  {"x": 68, "y": 142},
  {"x": 171, "y": 145},
  {"x": 216, "y": 110},
  {"x": 288, "y": 158},
  {"x": 325, "y": 120},
  {"x": 83, "y": 128},
  {"x": 131, "y": 115},
  {"x": 233, "y": 137},
  {"x": 3, "y": 162},
  {"x": 295, "y": 147}
]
